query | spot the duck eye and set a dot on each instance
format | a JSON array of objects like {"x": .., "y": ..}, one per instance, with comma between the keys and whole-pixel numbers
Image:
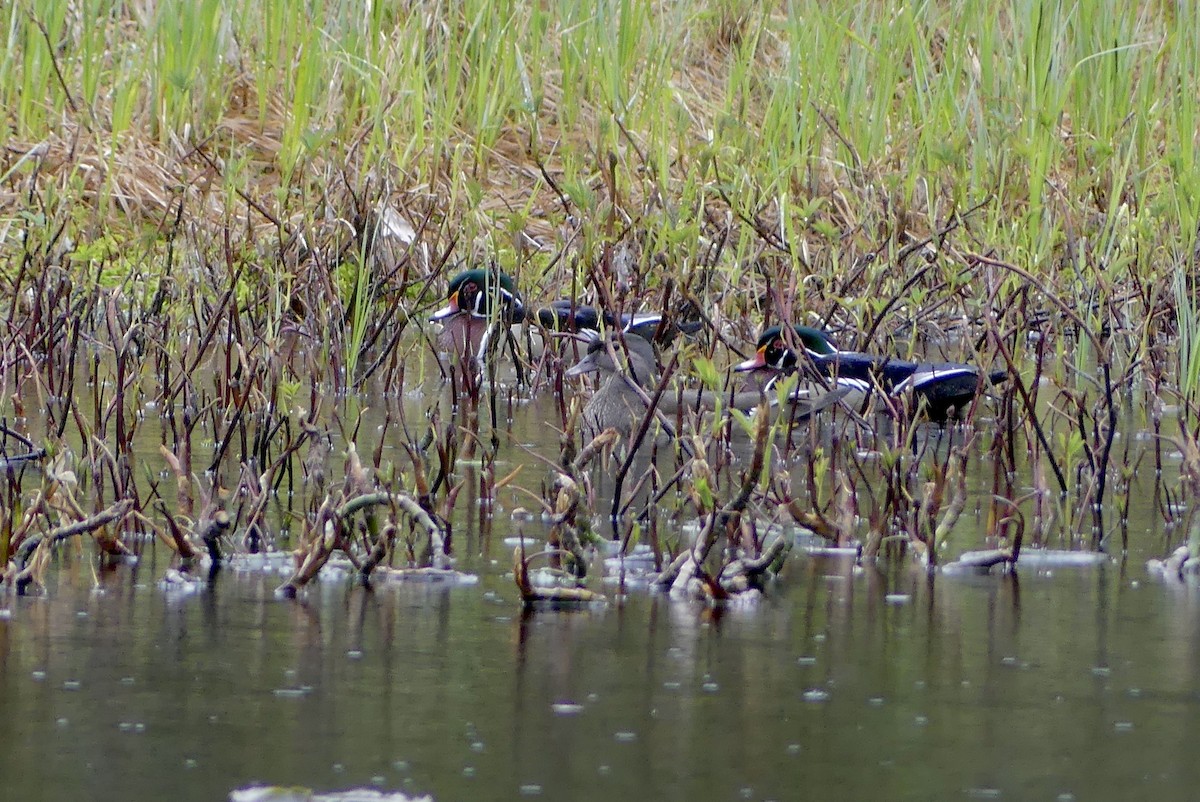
[
  {"x": 473, "y": 297},
  {"x": 775, "y": 354}
]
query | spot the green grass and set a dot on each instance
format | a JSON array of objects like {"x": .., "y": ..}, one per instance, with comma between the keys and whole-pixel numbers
[
  {"x": 842, "y": 128},
  {"x": 901, "y": 170}
]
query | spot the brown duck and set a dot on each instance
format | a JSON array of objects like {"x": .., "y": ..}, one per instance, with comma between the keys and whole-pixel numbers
[{"x": 621, "y": 401}]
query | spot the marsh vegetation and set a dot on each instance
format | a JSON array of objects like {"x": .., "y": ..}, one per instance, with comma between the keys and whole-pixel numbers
[{"x": 224, "y": 231}]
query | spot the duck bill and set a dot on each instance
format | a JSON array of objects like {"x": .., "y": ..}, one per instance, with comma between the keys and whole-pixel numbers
[
  {"x": 449, "y": 310},
  {"x": 585, "y": 365},
  {"x": 756, "y": 362}
]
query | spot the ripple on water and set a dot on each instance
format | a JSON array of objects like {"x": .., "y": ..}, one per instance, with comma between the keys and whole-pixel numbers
[
  {"x": 566, "y": 709},
  {"x": 262, "y": 793},
  {"x": 530, "y": 542}
]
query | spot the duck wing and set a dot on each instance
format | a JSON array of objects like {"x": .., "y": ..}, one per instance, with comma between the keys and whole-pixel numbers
[{"x": 865, "y": 372}]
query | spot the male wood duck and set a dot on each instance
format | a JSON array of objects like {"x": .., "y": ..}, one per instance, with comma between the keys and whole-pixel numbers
[
  {"x": 618, "y": 405},
  {"x": 475, "y": 300},
  {"x": 471, "y": 299},
  {"x": 567, "y": 315},
  {"x": 943, "y": 388}
]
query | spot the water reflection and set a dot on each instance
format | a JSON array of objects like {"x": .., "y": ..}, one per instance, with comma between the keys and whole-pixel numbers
[{"x": 843, "y": 682}]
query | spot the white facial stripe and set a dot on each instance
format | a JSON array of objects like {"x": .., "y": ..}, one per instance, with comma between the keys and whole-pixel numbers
[{"x": 505, "y": 295}]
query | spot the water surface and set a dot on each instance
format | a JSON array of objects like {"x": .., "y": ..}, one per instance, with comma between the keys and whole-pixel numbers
[{"x": 845, "y": 684}]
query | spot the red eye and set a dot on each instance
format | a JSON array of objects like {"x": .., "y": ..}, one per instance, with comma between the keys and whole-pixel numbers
[{"x": 469, "y": 288}]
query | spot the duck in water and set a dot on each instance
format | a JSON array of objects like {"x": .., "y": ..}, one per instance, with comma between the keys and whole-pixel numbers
[
  {"x": 567, "y": 315},
  {"x": 629, "y": 373},
  {"x": 942, "y": 389},
  {"x": 479, "y": 304}
]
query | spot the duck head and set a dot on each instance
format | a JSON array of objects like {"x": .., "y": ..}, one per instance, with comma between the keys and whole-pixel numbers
[
  {"x": 642, "y": 364},
  {"x": 772, "y": 353},
  {"x": 474, "y": 300},
  {"x": 484, "y": 294}
]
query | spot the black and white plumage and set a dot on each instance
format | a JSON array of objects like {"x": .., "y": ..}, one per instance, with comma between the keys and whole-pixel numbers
[
  {"x": 943, "y": 388},
  {"x": 476, "y": 300}
]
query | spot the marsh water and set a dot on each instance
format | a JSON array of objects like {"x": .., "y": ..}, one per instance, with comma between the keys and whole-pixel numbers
[{"x": 842, "y": 683}]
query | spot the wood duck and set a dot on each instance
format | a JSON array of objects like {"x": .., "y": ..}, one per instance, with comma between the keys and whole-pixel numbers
[
  {"x": 618, "y": 405},
  {"x": 475, "y": 300},
  {"x": 567, "y": 315},
  {"x": 942, "y": 388}
]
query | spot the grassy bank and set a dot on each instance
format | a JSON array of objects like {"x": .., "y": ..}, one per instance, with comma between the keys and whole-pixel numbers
[{"x": 809, "y": 134}]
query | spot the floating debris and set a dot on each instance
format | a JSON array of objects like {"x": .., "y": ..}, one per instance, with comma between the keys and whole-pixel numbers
[
  {"x": 982, "y": 562},
  {"x": 566, "y": 709},
  {"x": 430, "y": 575},
  {"x": 180, "y": 583},
  {"x": 556, "y": 596},
  {"x": 1177, "y": 566}
]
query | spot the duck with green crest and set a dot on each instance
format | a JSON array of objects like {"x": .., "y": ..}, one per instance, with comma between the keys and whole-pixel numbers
[
  {"x": 629, "y": 373},
  {"x": 478, "y": 299},
  {"x": 943, "y": 389}
]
